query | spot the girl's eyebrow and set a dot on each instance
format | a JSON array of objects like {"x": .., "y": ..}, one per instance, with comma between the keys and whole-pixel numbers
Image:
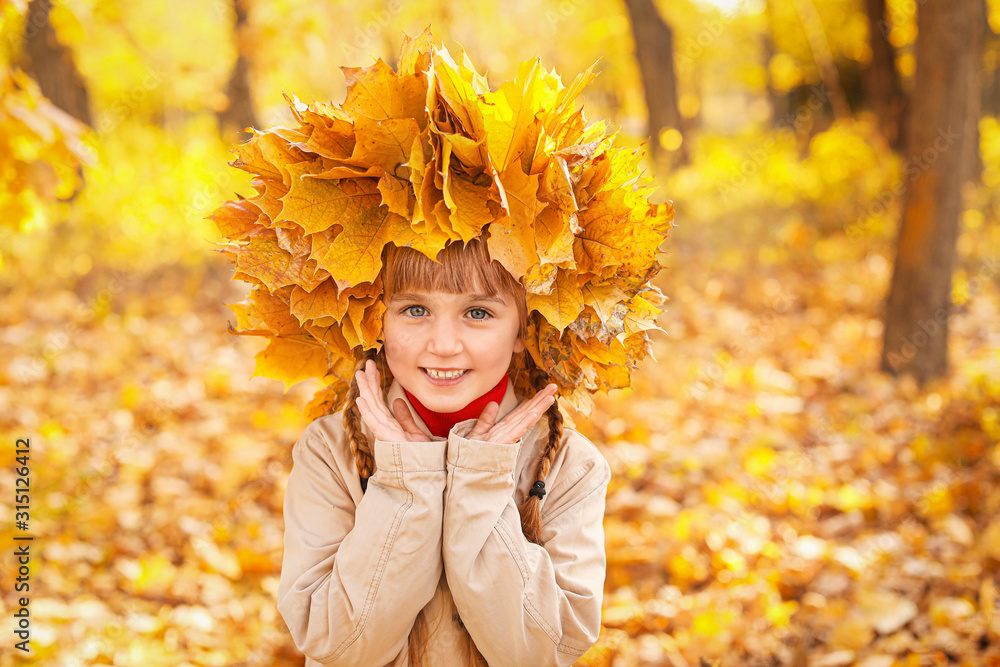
[{"x": 410, "y": 296}]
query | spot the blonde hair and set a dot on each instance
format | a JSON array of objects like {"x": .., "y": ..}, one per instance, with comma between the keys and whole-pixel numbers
[{"x": 462, "y": 267}]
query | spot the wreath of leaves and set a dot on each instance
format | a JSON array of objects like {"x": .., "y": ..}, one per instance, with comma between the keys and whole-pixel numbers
[{"x": 425, "y": 155}]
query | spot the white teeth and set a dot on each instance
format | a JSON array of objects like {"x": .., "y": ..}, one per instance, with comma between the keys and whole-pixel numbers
[{"x": 444, "y": 375}]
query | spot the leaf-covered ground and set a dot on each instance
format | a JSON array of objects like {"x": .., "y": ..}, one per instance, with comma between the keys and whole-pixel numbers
[{"x": 776, "y": 501}]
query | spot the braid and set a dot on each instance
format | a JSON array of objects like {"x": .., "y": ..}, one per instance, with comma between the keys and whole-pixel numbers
[
  {"x": 530, "y": 509},
  {"x": 361, "y": 446}
]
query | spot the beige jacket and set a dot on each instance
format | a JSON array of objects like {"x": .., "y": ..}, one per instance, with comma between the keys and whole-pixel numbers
[{"x": 438, "y": 529}]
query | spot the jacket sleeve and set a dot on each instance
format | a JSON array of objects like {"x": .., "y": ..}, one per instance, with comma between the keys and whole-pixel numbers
[
  {"x": 354, "y": 577},
  {"x": 522, "y": 603}
]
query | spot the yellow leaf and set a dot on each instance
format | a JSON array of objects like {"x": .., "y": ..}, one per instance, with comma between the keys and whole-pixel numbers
[
  {"x": 512, "y": 237},
  {"x": 266, "y": 260},
  {"x": 330, "y": 399},
  {"x": 558, "y": 221},
  {"x": 414, "y": 55},
  {"x": 509, "y": 113},
  {"x": 323, "y": 301},
  {"x": 331, "y": 333},
  {"x": 270, "y": 191},
  {"x": 355, "y": 255},
  {"x": 273, "y": 313},
  {"x": 468, "y": 151},
  {"x": 472, "y": 212},
  {"x": 397, "y": 195},
  {"x": 604, "y": 299},
  {"x": 291, "y": 360},
  {"x": 563, "y": 304},
  {"x": 377, "y": 93},
  {"x": 385, "y": 143},
  {"x": 458, "y": 86},
  {"x": 236, "y": 219},
  {"x": 250, "y": 156},
  {"x": 334, "y": 143},
  {"x": 315, "y": 204}
]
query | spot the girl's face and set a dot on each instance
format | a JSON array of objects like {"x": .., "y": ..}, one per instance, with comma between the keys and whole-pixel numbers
[{"x": 442, "y": 331}]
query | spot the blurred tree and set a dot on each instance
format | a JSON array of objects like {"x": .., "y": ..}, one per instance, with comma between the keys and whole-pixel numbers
[
  {"x": 991, "y": 73},
  {"x": 884, "y": 89},
  {"x": 986, "y": 72},
  {"x": 239, "y": 113},
  {"x": 943, "y": 112},
  {"x": 777, "y": 99},
  {"x": 823, "y": 57},
  {"x": 51, "y": 64},
  {"x": 654, "y": 52},
  {"x": 41, "y": 153}
]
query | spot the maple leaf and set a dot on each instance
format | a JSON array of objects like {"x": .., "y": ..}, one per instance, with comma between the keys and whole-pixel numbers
[
  {"x": 377, "y": 93},
  {"x": 237, "y": 219},
  {"x": 563, "y": 304},
  {"x": 291, "y": 359},
  {"x": 265, "y": 259},
  {"x": 315, "y": 204},
  {"x": 509, "y": 113},
  {"x": 512, "y": 238},
  {"x": 323, "y": 301},
  {"x": 355, "y": 255}
]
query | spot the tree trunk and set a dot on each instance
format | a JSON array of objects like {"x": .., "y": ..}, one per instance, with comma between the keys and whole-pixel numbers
[
  {"x": 985, "y": 36},
  {"x": 884, "y": 90},
  {"x": 991, "y": 78},
  {"x": 239, "y": 112},
  {"x": 654, "y": 52},
  {"x": 51, "y": 64},
  {"x": 779, "y": 102},
  {"x": 942, "y": 113},
  {"x": 823, "y": 57}
]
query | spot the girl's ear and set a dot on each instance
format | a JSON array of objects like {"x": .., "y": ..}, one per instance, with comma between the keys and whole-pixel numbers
[{"x": 518, "y": 345}]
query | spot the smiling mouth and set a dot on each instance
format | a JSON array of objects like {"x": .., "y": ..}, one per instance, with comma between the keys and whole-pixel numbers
[{"x": 448, "y": 376}]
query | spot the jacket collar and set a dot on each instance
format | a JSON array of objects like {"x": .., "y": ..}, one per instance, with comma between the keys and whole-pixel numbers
[{"x": 509, "y": 402}]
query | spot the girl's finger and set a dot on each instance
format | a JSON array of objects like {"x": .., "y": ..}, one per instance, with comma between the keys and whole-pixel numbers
[
  {"x": 375, "y": 390},
  {"x": 361, "y": 378},
  {"x": 513, "y": 430},
  {"x": 517, "y": 430},
  {"x": 535, "y": 403},
  {"x": 487, "y": 419},
  {"x": 405, "y": 419},
  {"x": 371, "y": 378}
]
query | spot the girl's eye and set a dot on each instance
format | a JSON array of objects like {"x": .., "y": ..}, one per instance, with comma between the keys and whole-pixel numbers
[{"x": 486, "y": 314}]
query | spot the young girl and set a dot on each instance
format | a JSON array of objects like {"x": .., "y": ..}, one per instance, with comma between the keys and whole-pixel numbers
[{"x": 438, "y": 519}]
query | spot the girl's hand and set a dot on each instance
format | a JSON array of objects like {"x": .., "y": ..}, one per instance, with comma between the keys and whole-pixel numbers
[
  {"x": 517, "y": 422},
  {"x": 375, "y": 413}
]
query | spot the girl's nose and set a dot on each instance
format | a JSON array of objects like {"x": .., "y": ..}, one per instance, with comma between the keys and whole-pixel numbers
[{"x": 444, "y": 339}]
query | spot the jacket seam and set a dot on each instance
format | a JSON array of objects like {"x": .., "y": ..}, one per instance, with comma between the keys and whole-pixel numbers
[
  {"x": 553, "y": 635},
  {"x": 455, "y": 465},
  {"x": 570, "y": 650},
  {"x": 602, "y": 484},
  {"x": 379, "y": 570},
  {"x": 507, "y": 540}
]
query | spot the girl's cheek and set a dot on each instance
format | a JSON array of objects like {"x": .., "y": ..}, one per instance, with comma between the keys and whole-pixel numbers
[{"x": 396, "y": 337}]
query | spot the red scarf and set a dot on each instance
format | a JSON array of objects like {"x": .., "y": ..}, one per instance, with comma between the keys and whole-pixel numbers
[{"x": 440, "y": 423}]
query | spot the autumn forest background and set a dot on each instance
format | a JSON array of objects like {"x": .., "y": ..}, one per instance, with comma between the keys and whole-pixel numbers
[{"x": 806, "y": 474}]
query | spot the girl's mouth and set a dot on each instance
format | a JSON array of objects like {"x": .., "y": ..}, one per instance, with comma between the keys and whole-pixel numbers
[{"x": 443, "y": 381}]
